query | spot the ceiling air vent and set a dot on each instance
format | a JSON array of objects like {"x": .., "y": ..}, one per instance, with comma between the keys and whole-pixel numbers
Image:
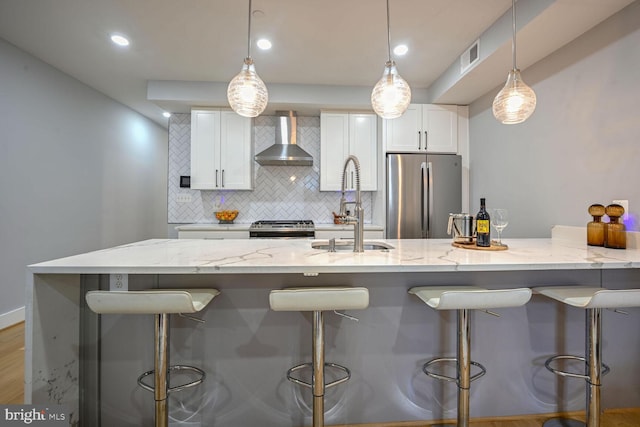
[{"x": 470, "y": 57}]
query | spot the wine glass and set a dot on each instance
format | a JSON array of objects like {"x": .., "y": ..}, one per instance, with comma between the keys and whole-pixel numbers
[{"x": 499, "y": 220}]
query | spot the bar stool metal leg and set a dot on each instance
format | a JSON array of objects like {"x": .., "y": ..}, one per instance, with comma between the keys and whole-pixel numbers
[
  {"x": 318, "y": 365},
  {"x": 593, "y": 360},
  {"x": 594, "y": 363},
  {"x": 463, "y": 378},
  {"x": 318, "y": 369},
  {"x": 464, "y": 367},
  {"x": 161, "y": 369}
]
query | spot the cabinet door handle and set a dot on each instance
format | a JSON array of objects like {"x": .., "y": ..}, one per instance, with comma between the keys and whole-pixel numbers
[
  {"x": 426, "y": 139},
  {"x": 216, "y": 178},
  {"x": 419, "y": 140},
  {"x": 222, "y": 178}
]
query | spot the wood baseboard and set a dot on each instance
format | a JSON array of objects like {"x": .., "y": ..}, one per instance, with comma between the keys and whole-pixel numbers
[{"x": 12, "y": 318}]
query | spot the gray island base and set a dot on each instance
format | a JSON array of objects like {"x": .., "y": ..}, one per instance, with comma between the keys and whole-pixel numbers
[{"x": 91, "y": 362}]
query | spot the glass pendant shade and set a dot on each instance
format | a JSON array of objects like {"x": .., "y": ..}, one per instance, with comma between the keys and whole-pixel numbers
[
  {"x": 247, "y": 93},
  {"x": 391, "y": 96},
  {"x": 515, "y": 102}
]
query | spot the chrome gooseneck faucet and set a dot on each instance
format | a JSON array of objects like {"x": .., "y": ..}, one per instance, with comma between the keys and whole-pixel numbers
[{"x": 357, "y": 220}]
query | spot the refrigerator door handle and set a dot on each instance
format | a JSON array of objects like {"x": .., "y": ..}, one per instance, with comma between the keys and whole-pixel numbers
[
  {"x": 430, "y": 199},
  {"x": 424, "y": 196}
]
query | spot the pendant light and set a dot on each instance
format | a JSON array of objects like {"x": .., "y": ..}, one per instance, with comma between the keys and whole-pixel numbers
[
  {"x": 516, "y": 101},
  {"x": 247, "y": 93},
  {"x": 391, "y": 96}
]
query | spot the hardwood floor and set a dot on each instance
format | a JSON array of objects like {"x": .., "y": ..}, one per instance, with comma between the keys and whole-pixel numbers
[
  {"x": 611, "y": 418},
  {"x": 12, "y": 392},
  {"x": 12, "y": 364}
]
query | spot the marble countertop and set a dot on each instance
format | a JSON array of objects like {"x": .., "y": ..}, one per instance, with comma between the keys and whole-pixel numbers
[{"x": 199, "y": 256}]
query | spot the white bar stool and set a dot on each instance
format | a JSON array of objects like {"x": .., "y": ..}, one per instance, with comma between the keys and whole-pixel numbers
[
  {"x": 463, "y": 299},
  {"x": 317, "y": 300},
  {"x": 593, "y": 299},
  {"x": 161, "y": 303}
]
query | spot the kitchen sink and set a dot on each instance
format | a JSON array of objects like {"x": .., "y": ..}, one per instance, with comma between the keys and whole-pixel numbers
[{"x": 347, "y": 245}]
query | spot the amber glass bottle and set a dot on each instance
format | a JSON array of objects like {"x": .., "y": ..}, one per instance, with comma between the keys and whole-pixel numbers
[
  {"x": 616, "y": 236},
  {"x": 595, "y": 228}
]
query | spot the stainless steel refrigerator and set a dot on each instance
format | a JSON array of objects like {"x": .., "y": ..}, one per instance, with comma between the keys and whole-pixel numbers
[{"x": 422, "y": 189}]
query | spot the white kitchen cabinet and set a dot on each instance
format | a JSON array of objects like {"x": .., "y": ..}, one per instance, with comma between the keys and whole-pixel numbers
[
  {"x": 221, "y": 150},
  {"x": 423, "y": 128},
  {"x": 342, "y": 135}
]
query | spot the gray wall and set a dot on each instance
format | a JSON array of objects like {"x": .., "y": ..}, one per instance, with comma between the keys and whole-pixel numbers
[
  {"x": 78, "y": 171},
  {"x": 581, "y": 145}
]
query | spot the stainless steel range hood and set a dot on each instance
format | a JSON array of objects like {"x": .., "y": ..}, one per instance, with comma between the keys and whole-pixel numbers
[{"x": 285, "y": 152}]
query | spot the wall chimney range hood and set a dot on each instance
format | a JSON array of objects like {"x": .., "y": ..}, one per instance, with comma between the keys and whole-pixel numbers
[{"x": 285, "y": 152}]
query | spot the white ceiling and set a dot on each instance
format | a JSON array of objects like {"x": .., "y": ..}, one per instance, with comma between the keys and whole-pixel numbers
[{"x": 315, "y": 42}]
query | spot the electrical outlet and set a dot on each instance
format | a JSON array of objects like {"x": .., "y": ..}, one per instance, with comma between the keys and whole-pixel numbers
[
  {"x": 625, "y": 205},
  {"x": 118, "y": 282},
  {"x": 183, "y": 198}
]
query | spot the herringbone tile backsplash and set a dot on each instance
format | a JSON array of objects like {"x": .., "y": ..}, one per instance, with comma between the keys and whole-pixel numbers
[{"x": 280, "y": 192}]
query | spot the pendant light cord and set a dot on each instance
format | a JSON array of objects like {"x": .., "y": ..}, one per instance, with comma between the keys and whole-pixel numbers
[
  {"x": 513, "y": 23},
  {"x": 388, "y": 32},
  {"x": 249, "y": 33}
]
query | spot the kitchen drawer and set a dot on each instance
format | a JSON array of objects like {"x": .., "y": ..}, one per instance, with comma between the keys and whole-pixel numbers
[{"x": 213, "y": 235}]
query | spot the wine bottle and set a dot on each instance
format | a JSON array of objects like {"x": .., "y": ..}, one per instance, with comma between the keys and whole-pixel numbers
[{"x": 483, "y": 226}]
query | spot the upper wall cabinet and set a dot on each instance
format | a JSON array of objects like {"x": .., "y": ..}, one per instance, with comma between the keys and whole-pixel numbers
[
  {"x": 344, "y": 134},
  {"x": 221, "y": 150},
  {"x": 423, "y": 128}
]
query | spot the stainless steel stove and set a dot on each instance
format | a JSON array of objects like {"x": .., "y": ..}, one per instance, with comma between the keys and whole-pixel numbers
[{"x": 282, "y": 229}]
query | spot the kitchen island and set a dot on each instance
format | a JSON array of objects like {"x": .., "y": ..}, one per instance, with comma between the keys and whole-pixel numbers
[{"x": 91, "y": 363}]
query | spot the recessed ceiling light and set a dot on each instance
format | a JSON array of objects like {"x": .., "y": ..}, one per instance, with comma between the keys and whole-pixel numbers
[
  {"x": 120, "y": 40},
  {"x": 264, "y": 44},
  {"x": 166, "y": 114},
  {"x": 401, "y": 49}
]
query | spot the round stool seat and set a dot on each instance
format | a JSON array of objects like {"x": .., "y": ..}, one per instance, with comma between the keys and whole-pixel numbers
[
  {"x": 150, "y": 301},
  {"x": 319, "y": 298},
  {"x": 470, "y": 297},
  {"x": 592, "y": 297}
]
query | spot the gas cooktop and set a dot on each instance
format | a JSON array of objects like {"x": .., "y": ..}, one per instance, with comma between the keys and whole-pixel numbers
[{"x": 282, "y": 228}]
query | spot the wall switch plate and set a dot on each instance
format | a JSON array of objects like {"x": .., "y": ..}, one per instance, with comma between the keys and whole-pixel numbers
[
  {"x": 118, "y": 282},
  {"x": 185, "y": 181},
  {"x": 625, "y": 205},
  {"x": 183, "y": 198}
]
